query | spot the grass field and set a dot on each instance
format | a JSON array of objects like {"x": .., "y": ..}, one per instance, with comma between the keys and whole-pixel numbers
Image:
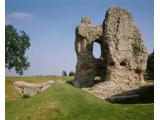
[{"x": 65, "y": 102}]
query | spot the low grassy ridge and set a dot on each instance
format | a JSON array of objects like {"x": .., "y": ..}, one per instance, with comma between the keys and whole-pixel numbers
[
  {"x": 65, "y": 102},
  {"x": 10, "y": 93}
]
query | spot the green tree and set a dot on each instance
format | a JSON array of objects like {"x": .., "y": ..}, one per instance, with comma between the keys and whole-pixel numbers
[
  {"x": 150, "y": 67},
  {"x": 71, "y": 73},
  {"x": 16, "y": 44},
  {"x": 64, "y": 73}
]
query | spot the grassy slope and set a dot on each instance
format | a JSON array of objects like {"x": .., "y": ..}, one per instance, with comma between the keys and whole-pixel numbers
[{"x": 64, "y": 102}]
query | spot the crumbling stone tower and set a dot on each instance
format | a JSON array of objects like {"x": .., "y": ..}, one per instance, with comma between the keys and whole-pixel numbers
[
  {"x": 123, "y": 55},
  {"x": 87, "y": 66}
]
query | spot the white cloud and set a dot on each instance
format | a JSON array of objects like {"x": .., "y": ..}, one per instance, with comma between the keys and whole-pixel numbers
[{"x": 19, "y": 16}]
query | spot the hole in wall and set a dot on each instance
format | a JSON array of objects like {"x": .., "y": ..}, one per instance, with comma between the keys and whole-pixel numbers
[
  {"x": 122, "y": 63},
  {"x": 138, "y": 71},
  {"x": 97, "y": 79},
  {"x": 112, "y": 63},
  {"x": 96, "y": 50},
  {"x": 79, "y": 47}
]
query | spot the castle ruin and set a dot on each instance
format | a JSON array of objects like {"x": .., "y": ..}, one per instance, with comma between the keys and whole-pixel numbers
[{"x": 123, "y": 55}]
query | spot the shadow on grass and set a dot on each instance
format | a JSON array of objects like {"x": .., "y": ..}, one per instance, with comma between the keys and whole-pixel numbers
[
  {"x": 96, "y": 81},
  {"x": 142, "y": 95},
  {"x": 25, "y": 96},
  {"x": 69, "y": 82}
]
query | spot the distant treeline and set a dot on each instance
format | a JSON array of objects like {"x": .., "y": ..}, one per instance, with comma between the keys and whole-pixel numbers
[
  {"x": 64, "y": 73},
  {"x": 71, "y": 73}
]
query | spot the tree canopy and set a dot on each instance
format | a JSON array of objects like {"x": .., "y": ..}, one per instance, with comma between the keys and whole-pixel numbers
[
  {"x": 71, "y": 73},
  {"x": 64, "y": 73},
  {"x": 150, "y": 66},
  {"x": 16, "y": 44}
]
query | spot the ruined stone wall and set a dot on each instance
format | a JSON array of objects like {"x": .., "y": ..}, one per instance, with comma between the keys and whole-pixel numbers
[
  {"x": 126, "y": 55},
  {"x": 86, "y": 68},
  {"x": 123, "y": 59}
]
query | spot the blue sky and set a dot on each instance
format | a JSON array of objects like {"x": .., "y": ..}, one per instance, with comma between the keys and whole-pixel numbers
[{"x": 51, "y": 26}]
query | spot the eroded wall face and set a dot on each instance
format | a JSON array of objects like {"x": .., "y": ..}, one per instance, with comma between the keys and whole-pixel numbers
[
  {"x": 123, "y": 59},
  {"x": 126, "y": 54},
  {"x": 87, "y": 64}
]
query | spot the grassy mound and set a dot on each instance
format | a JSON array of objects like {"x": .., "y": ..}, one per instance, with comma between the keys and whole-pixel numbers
[
  {"x": 11, "y": 94},
  {"x": 65, "y": 102}
]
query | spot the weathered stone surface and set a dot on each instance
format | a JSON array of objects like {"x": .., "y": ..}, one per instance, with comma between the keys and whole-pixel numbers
[
  {"x": 123, "y": 54},
  {"x": 123, "y": 47},
  {"x": 86, "y": 67},
  {"x": 31, "y": 89}
]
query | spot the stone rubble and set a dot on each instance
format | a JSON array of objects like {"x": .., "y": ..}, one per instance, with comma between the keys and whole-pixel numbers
[{"x": 30, "y": 89}]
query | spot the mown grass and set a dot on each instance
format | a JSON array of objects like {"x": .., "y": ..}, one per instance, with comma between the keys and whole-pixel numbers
[
  {"x": 149, "y": 81},
  {"x": 65, "y": 102},
  {"x": 39, "y": 79}
]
